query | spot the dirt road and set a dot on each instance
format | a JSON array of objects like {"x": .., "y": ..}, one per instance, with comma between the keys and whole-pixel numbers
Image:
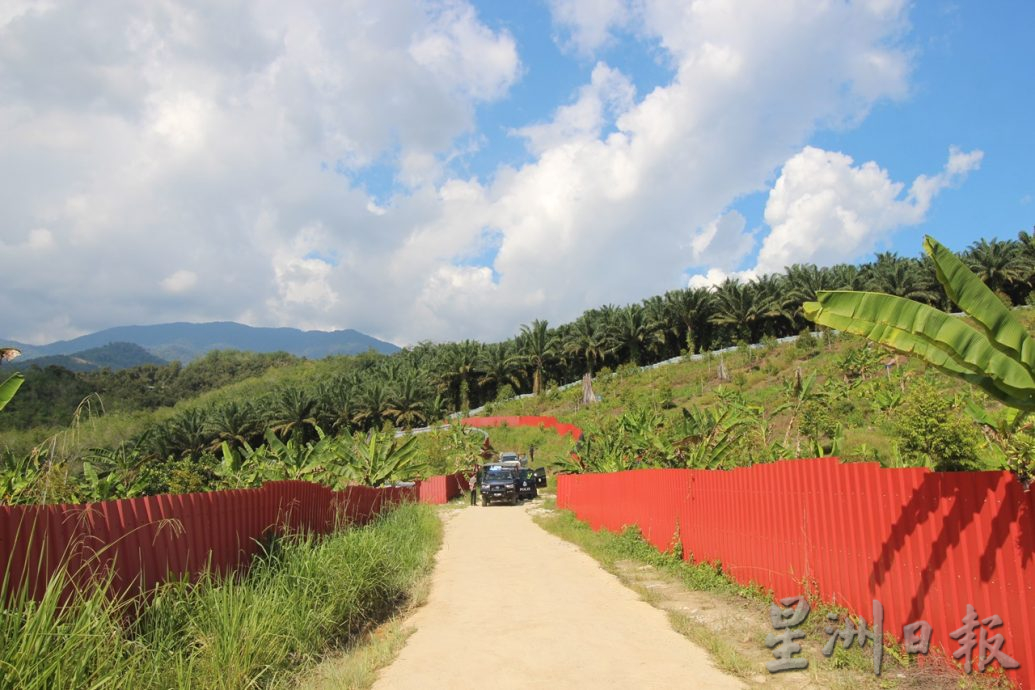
[{"x": 512, "y": 606}]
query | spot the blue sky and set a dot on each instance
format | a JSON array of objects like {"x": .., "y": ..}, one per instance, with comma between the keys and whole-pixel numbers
[
  {"x": 440, "y": 169},
  {"x": 972, "y": 85}
]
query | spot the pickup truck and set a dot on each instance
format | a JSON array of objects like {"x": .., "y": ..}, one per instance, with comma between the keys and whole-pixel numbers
[{"x": 498, "y": 484}]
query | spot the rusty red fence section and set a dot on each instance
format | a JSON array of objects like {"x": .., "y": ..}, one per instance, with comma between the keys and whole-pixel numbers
[
  {"x": 442, "y": 488},
  {"x": 562, "y": 428},
  {"x": 925, "y": 544},
  {"x": 140, "y": 542}
]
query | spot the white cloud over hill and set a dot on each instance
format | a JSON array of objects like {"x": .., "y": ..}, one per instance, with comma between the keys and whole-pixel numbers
[{"x": 195, "y": 161}]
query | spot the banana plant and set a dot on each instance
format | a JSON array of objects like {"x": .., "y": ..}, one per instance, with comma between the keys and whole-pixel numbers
[
  {"x": 378, "y": 458},
  {"x": 239, "y": 469},
  {"x": 996, "y": 354},
  {"x": 20, "y": 476},
  {"x": 9, "y": 387},
  {"x": 296, "y": 460},
  {"x": 113, "y": 473},
  {"x": 101, "y": 486},
  {"x": 709, "y": 436}
]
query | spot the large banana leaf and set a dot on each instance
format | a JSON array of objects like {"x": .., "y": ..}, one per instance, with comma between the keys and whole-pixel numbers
[
  {"x": 913, "y": 343},
  {"x": 914, "y": 328},
  {"x": 968, "y": 292},
  {"x": 9, "y": 387}
]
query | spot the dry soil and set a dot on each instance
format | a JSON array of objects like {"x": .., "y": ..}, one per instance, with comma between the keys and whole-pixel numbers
[{"x": 512, "y": 606}]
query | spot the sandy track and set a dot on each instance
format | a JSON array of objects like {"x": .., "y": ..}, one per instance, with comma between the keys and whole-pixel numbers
[{"x": 512, "y": 606}]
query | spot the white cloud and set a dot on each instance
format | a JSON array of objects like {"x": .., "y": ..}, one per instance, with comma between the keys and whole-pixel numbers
[
  {"x": 146, "y": 133},
  {"x": 180, "y": 281},
  {"x": 206, "y": 137},
  {"x": 722, "y": 243},
  {"x": 589, "y": 23},
  {"x": 465, "y": 54},
  {"x": 613, "y": 215},
  {"x": 609, "y": 93},
  {"x": 823, "y": 209}
]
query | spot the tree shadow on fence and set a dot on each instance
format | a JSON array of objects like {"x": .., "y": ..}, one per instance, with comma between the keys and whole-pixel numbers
[{"x": 969, "y": 491}]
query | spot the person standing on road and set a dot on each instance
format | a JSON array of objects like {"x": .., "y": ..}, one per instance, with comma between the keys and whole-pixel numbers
[{"x": 472, "y": 482}]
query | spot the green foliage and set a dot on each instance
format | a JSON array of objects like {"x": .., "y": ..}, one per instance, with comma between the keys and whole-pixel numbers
[
  {"x": 860, "y": 362},
  {"x": 189, "y": 411},
  {"x": 932, "y": 431},
  {"x": 1020, "y": 455},
  {"x": 629, "y": 544},
  {"x": 806, "y": 342},
  {"x": 506, "y": 392},
  {"x": 9, "y": 387},
  {"x": 377, "y": 458},
  {"x": 253, "y": 630},
  {"x": 997, "y": 356}
]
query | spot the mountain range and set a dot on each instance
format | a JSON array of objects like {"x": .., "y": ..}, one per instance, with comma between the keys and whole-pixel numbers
[{"x": 167, "y": 342}]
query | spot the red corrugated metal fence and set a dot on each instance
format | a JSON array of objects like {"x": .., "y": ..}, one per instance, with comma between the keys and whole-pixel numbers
[
  {"x": 561, "y": 428},
  {"x": 143, "y": 541},
  {"x": 925, "y": 544},
  {"x": 442, "y": 489}
]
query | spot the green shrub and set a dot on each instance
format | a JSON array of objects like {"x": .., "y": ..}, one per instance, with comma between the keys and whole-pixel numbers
[
  {"x": 806, "y": 342},
  {"x": 932, "y": 431}
]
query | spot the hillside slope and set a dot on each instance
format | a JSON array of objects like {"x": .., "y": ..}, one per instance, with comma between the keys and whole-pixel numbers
[
  {"x": 113, "y": 356},
  {"x": 860, "y": 402}
]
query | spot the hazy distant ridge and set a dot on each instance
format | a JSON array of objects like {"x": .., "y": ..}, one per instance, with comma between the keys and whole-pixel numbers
[{"x": 185, "y": 341}]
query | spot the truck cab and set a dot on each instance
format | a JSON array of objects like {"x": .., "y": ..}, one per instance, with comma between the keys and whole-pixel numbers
[{"x": 498, "y": 484}]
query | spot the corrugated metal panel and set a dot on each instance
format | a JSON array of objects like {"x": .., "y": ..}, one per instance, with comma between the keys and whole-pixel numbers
[
  {"x": 145, "y": 540},
  {"x": 925, "y": 544}
]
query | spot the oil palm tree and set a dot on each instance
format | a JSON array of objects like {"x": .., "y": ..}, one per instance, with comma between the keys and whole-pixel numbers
[
  {"x": 406, "y": 400},
  {"x": 897, "y": 276},
  {"x": 372, "y": 404},
  {"x": 634, "y": 333},
  {"x": 295, "y": 413},
  {"x": 776, "y": 316},
  {"x": 589, "y": 341},
  {"x": 338, "y": 402},
  {"x": 457, "y": 365},
  {"x": 500, "y": 366},
  {"x": 801, "y": 284},
  {"x": 668, "y": 329},
  {"x": 997, "y": 263},
  {"x": 692, "y": 309},
  {"x": 537, "y": 346},
  {"x": 189, "y": 433},
  {"x": 234, "y": 423},
  {"x": 738, "y": 306},
  {"x": 436, "y": 409}
]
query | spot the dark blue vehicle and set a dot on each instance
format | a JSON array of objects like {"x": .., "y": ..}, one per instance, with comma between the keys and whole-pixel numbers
[
  {"x": 526, "y": 484},
  {"x": 498, "y": 484}
]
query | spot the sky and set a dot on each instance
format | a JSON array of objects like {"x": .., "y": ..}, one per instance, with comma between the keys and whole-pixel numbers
[{"x": 448, "y": 169}]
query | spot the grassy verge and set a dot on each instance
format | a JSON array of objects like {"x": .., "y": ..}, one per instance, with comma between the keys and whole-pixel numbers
[
  {"x": 305, "y": 597},
  {"x": 610, "y": 548}
]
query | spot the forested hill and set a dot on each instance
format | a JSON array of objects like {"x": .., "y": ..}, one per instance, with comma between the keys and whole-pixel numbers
[
  {"x": 111, "y": 356},
  {"x": 187, "y": 341}
]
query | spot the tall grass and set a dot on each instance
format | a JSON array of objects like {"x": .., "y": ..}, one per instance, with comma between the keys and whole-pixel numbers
[{"x": 300, "y": 599}]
